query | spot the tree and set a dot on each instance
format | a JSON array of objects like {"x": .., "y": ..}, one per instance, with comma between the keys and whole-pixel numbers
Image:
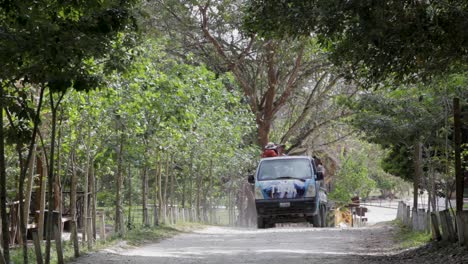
[
  {"x": 412, "y": 122},
  {"x": 54, "y": 44},
  {"x": 375, "y": 41},
  {"x": 352, "y": 178},
  {"x": 268, "y": 71}
]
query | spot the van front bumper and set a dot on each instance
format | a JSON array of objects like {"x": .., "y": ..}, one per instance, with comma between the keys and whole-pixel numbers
[{"x": 276, "y": 207}]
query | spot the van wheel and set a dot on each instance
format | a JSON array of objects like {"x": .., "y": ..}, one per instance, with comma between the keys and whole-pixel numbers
[
  {"x": 260, "y": 222},
  {"x": 323, "y": 215},
  {"x": 317, "y": 220}
]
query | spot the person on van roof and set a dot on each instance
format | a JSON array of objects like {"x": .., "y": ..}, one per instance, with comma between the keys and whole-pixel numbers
[{"x": 270, "y": 150}]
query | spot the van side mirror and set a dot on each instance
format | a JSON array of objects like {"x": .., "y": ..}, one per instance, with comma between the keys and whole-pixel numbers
[
  {"x": 251, "y": 178},
  {"x": 319, "y": 176}
]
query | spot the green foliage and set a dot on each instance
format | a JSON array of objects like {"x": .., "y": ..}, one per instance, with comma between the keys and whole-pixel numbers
[
  {"x": 398, "y": 162},
  {"x": 375, "y": 40},
  {"x": 352, "y": 179},
  {"x": 164, "y": 107},
  {"x": 57, "y": 42}
]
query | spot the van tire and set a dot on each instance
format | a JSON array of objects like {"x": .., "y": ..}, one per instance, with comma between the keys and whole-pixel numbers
[
  {"x": 323, "y": 215},
  {"x": 317, "y": 219},
  {"x": 260, "y": 222}
]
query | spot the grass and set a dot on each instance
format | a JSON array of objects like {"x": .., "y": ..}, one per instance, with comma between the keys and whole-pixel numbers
[
  {"x": 408, "y": 238},
  {"x": 134, "y": 237}
]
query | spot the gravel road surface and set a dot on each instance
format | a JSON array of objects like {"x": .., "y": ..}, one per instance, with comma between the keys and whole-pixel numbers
[{"x": 270, "y": 246}]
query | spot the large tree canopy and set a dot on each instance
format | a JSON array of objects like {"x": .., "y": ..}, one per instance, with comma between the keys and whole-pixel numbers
[{"x": 400, "y": 40}]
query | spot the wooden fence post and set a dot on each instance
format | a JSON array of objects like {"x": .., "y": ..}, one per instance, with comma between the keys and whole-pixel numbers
[
  {"x": 414, "y": 219},
  {"x": 444, "y": 225},
  {"x": 421, "y": 220},
  {"x": 465, "y": 221},
  {"x": 435, "y": 227},
  {"x": 400, "y": 213},
  {"x": 462, "y": 227},
  {"x": 448, "y": 232},
  {"x": 408, "y": 216}
]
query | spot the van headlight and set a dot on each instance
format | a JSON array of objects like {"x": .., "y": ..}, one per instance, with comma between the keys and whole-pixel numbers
[
  {"x": 310, "y": 192},
  {"x": 258, "y": 193}
]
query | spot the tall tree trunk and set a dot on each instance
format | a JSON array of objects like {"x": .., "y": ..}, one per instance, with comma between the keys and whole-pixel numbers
[
  {"x": 74, "y": 226},
  {"x": 171, "y": 192},
  {"x": 93, "y": 200},
  {"x": 159, "y": 185},
  {"x": 3, "y": 191},
  {"x": 24, "y": 210},
  {"x": 210, "y": 192},
  {"x": 166, "y": 180},
  {"x": 42, "y": 170},
  {"x": 89, "y": 223},
  {"x": 457, "y": 151},
  {"x": 51, "y": 183},
  {"x": 119, "y": 228},
  {"x": 84, "y": 216},
  {"x": 199, "y": 191},
  {"x": 417, "y": 173},
  {"x": 145, "y": 195},
  {"x": 29, "y": 186},
  {"x": 129, "y": 176},
  {"x": 21, "y": 235},
  {"x": 51, "y": 174},
  {"x": 190, "y": 177},
  {"x": 156, "y": 191}
]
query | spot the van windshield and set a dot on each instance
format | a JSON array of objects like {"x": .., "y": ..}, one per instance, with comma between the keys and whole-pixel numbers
[{"x": 285, "y": 169}]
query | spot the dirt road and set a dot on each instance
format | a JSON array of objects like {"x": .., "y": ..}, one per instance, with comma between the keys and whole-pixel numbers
[{"x": 270, "y": 246}]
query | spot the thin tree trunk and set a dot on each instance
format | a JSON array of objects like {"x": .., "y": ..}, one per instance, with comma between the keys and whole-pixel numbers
[
  {"x": 417, "y": 173},
  {"x": 51, "y": 174},
  {"x": 190, "y": 176},
  {"x": 130, "y": 223},
  {"x": 21, "y": 222},
  {"x": 159, "y": 184},
  {"x": 84, "y": 216},
  {"x": 457, "y": 132},
  {"x": 156, "y": 193},
  {"x": 3, "y": 190},
  {"x": 74, "y": 226},
  {"x": 22, "y": 209},
  {"x": 199, "y": 191},
  {"x": 50, "y": 183},
  {"x": 171, "y": 192},
  {"x": 209, "y": 192},
  {"x": 145, "y": 195},
  {"x": 119, "y": 228},
  {"x": 94, "y": 201},
  {"x": 42, "y": 170},
  {"x": 184, "y": 184},
  {"x": 166, "y": 180},
  {"x": 29, "y": 186},
  {"x": 90, "y": 205}
]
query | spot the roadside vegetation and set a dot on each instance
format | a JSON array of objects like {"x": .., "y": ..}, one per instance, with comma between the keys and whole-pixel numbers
[
  {"x": 406, "y": 237},
  {"x": 163, "y": 107}
]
